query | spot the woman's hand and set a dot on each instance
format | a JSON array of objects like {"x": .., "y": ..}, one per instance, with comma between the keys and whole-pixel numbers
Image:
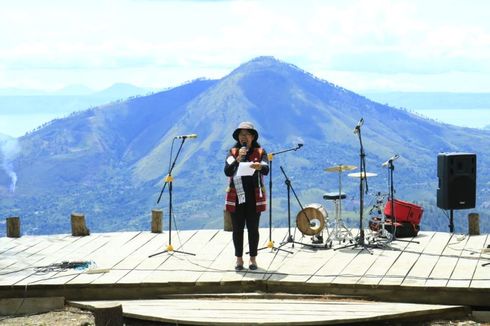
[
  {"x": 256, "y": 166},
  {"x": 241, "y": 153}
]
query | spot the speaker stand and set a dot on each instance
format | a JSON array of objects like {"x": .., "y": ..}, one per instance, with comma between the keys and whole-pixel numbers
[{"x": 451, "y": 220}]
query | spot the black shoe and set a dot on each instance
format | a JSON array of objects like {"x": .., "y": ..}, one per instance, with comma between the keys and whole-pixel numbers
[
  {"x": 239, "y": 268},
  {"x": 252, "y": 267}
]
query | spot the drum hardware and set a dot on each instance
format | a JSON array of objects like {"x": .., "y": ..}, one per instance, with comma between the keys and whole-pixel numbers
[
  {"x": 270, "y": 156},
  {"x": 363, "y": 176},
  {"x": 378, "y": 220},
  {"x": 314, "y": 226},
  {"x": 341, "y": 168},
  {"x": 340, "y": 231},
  {"x": 303, "y": 215},
  {"x": 391, "y": 199}
]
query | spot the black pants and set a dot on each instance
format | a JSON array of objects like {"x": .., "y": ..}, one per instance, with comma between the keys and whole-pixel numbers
[{"x": 246, "y": 214}]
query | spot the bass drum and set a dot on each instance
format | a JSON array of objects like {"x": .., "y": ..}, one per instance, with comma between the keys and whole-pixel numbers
[{"x": 312, "y": 219}]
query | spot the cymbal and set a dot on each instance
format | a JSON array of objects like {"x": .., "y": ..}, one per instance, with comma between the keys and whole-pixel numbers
[
  {"x": 364, "y": 175},
  {"x": 341, "y": 168}
]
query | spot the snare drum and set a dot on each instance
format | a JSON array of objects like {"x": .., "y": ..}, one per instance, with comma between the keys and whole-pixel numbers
[{"x": 312, "y": 219}]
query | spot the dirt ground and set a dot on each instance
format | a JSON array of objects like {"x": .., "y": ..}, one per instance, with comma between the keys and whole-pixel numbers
[
  {"x": 77, "y": 317},
  {"x": 67, "y": 316}
]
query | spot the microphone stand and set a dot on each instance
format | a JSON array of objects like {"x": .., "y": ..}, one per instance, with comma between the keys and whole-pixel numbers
[
  {"x": 362, "y": 179},
  {"x": 290, "y": 238},
  {"x": 391, "y": 197},
  {"x": 169, "y": 180},
  {"x": 270, "y": 156}
]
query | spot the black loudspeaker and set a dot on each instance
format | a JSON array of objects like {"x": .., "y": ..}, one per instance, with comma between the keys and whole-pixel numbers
[{"x": 457, "y": 180}]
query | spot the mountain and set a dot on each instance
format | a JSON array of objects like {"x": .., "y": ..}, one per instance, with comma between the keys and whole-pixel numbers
[
  {"x": 121, "y": 91},
  {"x": 109, "y": 161}
]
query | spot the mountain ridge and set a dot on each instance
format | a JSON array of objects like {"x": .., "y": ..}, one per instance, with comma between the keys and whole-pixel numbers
[{"x": 113, "y": 158}]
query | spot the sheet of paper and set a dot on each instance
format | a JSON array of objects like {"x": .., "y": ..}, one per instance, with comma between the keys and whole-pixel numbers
[{"x": 245, "y": 169}]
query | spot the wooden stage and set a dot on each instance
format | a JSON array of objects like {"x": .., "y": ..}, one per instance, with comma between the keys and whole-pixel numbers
[{"x": 442, "y": 268}]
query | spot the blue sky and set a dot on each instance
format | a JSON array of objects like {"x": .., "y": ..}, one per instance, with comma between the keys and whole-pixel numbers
[{"x": 362, "y": 45}]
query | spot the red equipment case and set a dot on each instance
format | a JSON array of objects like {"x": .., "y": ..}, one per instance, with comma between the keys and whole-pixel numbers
[{"x": 404, "y": 211}]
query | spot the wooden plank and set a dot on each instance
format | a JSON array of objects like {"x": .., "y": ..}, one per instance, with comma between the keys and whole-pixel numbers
[
  {"x": 16, "y": 245},
  {"x": 386, "y": 259},
  {"x": 111, "y": 261},
  {"x": 272, "y": 311},
  {"x": 146, "y": 264},
  {"x": 466, "y": 265},
  {"x": 445, "y": 265},
  {"x": 182, "y": 266},
  {"x": 397, "y": 272},
  {"x": 481, "y": 277},
  {"x": 31, "y": 257},
  {"x": 309, "y": 270},
  {"x": 427, "y": 260},
  {"x": 52, "y": 254},
  {"x": 220, "y": 255},
  {"x": 100, "y": 252},
  {"x": 337, "y": 261},
  {"x": 269, "y": 260},
  {"x": 353, "y": 272},
  {"x": 79, "y": 250}
]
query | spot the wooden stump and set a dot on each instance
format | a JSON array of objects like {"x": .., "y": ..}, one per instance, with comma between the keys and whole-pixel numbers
[
  {"x": 109, "y": 315},
  {"x": 156, "y": 220},
  {"x": 13, "y": 227},
  {"x": 473, "y": 224},
  {"x": 227, "y": 224},
  {"x": 78, "y": 227}
]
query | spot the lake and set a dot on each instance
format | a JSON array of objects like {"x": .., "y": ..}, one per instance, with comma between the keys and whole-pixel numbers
[{"x": 473, "y": 118}]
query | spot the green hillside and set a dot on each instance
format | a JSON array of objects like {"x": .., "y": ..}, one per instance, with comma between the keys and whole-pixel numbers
[{"x": 109, "y": 162}]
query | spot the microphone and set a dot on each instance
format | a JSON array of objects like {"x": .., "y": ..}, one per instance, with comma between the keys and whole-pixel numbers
[
  {"x": 391, "y": 159},
  {"x": 244, "y": 145},
  {"x": 359, "y": 125},
  {"x": 186, "y": 136},
  {"x": 300, "y": 145}
]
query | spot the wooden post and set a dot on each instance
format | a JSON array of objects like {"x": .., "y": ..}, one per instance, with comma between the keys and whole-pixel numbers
[
  {"x": 473, "y": 224},
  {"x": 227, "y": 225},
  {"x": 156, "y": 220},
  {"x": 78, "y": 227},
  {"x": 109, "y": 315},
  {"x": 13, "y": 227}
]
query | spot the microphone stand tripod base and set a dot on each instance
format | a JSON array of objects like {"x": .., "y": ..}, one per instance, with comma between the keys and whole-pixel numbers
[
  {"x": 170, "y": 249},
  {"x": 360, "y": 242},
  {"x": 270, "y": 245},
  {"x": 292, "y": 241}
]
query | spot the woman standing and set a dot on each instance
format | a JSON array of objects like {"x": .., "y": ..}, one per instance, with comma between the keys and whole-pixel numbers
[{"x": 245, "y": 196}]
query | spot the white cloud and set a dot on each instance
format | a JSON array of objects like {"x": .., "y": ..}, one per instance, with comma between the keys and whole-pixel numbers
[{"x": 163, "y": 43}]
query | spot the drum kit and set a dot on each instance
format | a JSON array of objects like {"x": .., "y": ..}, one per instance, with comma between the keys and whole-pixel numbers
[
  {"x": 313, "y": 219},
  {"x": 318, "y": 221}
]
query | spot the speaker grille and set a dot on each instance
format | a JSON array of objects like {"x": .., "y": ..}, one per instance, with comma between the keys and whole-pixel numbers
[{"x": 457, "y": 180}]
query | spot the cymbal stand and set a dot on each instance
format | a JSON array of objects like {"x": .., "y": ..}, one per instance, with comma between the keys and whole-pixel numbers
[
  {"x": 360, "y": 239},
  {"x": 290, "y": 188},
  {"x": 169, "y": 180},
  {"x": 270, "y": 156}
]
